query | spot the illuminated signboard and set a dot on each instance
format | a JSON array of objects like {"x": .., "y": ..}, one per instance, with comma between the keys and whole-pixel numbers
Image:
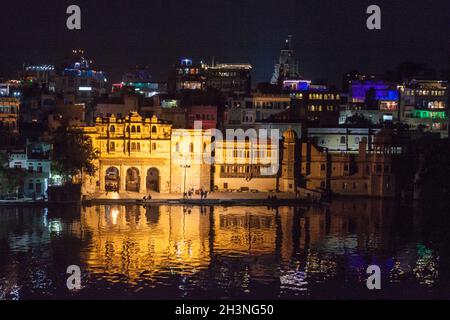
[{"x": 85, "y": 88}]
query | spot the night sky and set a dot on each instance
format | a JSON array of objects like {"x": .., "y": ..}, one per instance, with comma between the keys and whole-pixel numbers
[{"x": 330, "y": 36}]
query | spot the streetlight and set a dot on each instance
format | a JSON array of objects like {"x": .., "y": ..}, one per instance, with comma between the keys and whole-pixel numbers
[{"x": 185, "y": 166}]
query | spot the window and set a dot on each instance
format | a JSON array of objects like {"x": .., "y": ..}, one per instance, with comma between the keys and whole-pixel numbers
[
  {"x": 191, "y": 147},
  {"x": 138, "y": 128},
  {"x": 133, "y": 129},
  {"x": 342, "y": 139},
  {"x": 112, "y": 129},
  {"x": 133, "y": 145},
  {"x": 112, "y": 146},
  {"x": 177, "y": 147},
  {"x": 322, "y": 167},
  {"x": 153, "y": 146},
  {"x": 154, "y": 129}
]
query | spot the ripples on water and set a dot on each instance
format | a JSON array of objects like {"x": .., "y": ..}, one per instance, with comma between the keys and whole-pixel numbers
[{"x": 225, "y": 252}]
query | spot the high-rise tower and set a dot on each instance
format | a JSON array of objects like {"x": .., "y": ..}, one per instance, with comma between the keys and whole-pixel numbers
[{"x": 287, "y": 66}]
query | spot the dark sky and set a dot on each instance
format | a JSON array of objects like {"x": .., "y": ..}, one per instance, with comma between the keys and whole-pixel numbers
[{"x": 330, "y": 36}]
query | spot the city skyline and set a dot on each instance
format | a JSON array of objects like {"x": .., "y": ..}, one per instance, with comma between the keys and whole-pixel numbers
[{"x": 121, "y": 36}]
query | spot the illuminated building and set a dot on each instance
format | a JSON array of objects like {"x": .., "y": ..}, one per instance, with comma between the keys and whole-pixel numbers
[
  {"x": 41, "y": 74},
  {"x": 316, "y": 104},
  {"x": 9, "y": 118},
  {"x": 187, "y": 76},
  {"x": 36, "y": 163},
  {"x": 341, "y": 139},
  {"x": 286, "y": 67},
  {"x": 229, "y": 78},
  {"x": 424, "y": 103},
  {"x": 144, "y": 155},
  {"x": 11, "y": 89},
  {"x": 136, "y": 155},
  {"x": 376, "y": 100},
  {"x": 139, "y": 81},
  {"x": 206, "y": 114},
  {"x": 244, "y": 112},
  {"x": 253, "y": 165},
  {"x": 368, "y": 173},
  {"x": 79, "y": 78}
]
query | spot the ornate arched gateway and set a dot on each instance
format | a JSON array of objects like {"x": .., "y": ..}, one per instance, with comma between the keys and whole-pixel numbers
[
  {"x": 112, "y": 179},
  {"x": 152, "y": 182},
  {"x": 132, "y": 181}
]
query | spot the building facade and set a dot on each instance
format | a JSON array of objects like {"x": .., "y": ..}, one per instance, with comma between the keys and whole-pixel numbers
[
  {"x": 367, "y": 173},
  {"x": 144, "y": 155}
]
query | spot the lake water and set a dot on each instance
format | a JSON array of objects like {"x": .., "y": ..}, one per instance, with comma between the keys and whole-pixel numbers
[{"x": 176, "y": 252}]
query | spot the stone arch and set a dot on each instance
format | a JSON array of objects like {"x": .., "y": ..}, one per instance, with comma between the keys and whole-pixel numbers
[
  {"x": 132, "y": 181},
  {"x": 153, "y": 180},
  {"x": 112, "y": 179}
]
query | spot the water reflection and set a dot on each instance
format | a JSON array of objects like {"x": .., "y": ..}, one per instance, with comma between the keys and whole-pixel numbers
[{"x": 225, "y": 252}]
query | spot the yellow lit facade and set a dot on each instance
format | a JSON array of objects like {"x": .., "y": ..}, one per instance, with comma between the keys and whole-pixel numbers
[{"x": 136, "y": 155}]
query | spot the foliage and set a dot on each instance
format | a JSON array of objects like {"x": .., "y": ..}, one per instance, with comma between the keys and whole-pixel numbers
[
  {"x": 73, "y": 153},
  {"x": 10, "y": 178}
]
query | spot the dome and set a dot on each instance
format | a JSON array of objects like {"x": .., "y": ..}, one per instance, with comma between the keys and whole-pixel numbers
[{"x": 289, "y": 135}]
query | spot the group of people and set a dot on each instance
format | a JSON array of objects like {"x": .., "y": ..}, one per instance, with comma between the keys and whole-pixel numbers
[
  {"x": 272, "y": 197},
  {"x": 190, "y": 193},
  {"x": 148, "y": 197},
  {"x": 111, "y": 188}
]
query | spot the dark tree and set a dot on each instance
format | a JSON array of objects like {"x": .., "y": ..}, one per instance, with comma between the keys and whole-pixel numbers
[
  {"x": 10, "y": 178},
  {"x": 73, "y": 153}
]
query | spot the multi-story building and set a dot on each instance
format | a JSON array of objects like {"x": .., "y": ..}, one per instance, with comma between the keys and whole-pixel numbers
[
  {"x": 367, "y": 173},
  {"x": 36, "y": 163},
  {"x": 314, "y": 103},
  {"x": 79, "y": 78},
  {"x": 339, "y": 139},
  {"x": 186, "y": 76},
  {"x": 229, "y": 78},
  {"x": 9, "y": 122},
  {"x": 206, "y": 114},
  {"x": 143, "y": 155},
  {"x": 423, "y": 103},
  {"x": 376, "y": 100},
  {"x": 287, "y": 66},
  {"x": 246, "y": 111}
]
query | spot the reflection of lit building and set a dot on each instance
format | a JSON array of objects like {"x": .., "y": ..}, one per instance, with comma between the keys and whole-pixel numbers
[
  {"x": 151, "y": 239},
  {"x": 424, "y": 103}
]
